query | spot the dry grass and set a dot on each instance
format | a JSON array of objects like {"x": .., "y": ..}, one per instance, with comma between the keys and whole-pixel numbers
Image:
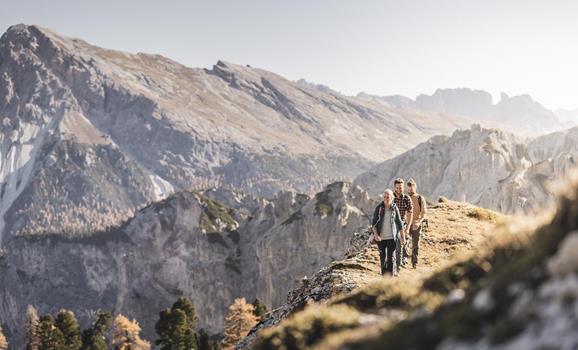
[{"x": 453, "y": 235}]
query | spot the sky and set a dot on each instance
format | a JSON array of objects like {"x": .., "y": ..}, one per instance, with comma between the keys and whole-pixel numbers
[{"x": 380, "y": 47}]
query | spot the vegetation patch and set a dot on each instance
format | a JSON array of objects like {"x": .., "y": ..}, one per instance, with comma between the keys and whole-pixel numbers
[
  {"x": 484, "y": 214},
  {"x": 215, "y": 216},
  {"x": 306, "y": 328},
  {"x": 323, "y": 205}
]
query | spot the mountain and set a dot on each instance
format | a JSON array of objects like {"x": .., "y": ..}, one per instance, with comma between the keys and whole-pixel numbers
[
  {"x": 516, "y": 290},
  {"x": 91, "y": 135},
  {"x": 212, "y": 247},
  {"x": 520, "y": 114},
  {"x": 486, "y": 167},
  {"x": 569, "y": 117}
]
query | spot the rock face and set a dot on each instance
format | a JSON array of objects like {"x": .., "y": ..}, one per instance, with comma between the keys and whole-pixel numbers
[
  {"x": 519, "y": 114},
  {"x": 89, "y": 135},
  {"x": 485, "y": 167},
  {"x": 186, "y": 245}
]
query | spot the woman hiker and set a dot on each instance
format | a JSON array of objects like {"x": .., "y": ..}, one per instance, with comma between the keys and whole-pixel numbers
[{"x": 386, "y": 224}]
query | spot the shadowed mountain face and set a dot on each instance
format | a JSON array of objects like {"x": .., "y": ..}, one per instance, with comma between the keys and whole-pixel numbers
[
  {"x": 211, "y": 247},
  {"x": 89, "y": 135},
  {"x": 486, "y": 167}
]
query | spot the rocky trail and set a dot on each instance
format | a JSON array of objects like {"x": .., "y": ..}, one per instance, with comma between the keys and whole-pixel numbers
[{"x": 454, "y": 230}]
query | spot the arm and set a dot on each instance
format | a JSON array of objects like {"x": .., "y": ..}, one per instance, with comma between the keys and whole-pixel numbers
[
  {"x": 409, "y": 212},
  {"x": 398, "y": 221},
  {"x": 423, "y": 212},
  {"x": 399, "y": 225},
  {"x": 374, "y": 218}
]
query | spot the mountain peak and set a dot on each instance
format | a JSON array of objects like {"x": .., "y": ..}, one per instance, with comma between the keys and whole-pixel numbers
[{"x": 33, "y": 37}]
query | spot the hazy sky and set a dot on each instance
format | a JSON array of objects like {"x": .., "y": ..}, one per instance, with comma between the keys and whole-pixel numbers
[{"x": 381, "y": 47}]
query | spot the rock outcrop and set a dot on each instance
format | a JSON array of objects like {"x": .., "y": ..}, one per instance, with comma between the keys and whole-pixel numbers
[
  {"x": 486, "y": 167},
  {"x": 188, "y": 244}
]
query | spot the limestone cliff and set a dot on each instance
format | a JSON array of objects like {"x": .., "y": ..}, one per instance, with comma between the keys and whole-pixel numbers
[
  {"x": 486, "y": 167},
  {"x": 189, "y": 244}
]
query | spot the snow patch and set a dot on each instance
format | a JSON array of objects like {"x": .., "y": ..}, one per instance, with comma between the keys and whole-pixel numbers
[
  {"x": 162, "y": 187},
  {"x": 17, "y": 152}
]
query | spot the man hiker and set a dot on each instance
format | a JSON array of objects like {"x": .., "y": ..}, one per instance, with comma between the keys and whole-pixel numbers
[
  {"x": 419, "y": 215},
  {"x": 405, "y": 207},
  {"x": 386, "y": 227}
]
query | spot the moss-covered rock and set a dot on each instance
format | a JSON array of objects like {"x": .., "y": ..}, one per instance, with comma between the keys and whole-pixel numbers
[{"x": 216, "y": 217}]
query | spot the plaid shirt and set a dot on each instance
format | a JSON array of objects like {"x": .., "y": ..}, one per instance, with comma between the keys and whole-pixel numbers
[{"x": 403, "y": 203}]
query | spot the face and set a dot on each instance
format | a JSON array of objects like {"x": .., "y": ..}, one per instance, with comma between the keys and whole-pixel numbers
[
  {"x": 387, "y": 198},
  {"x": 398, "y": 189},
  {"x": 411, "y": 189}
]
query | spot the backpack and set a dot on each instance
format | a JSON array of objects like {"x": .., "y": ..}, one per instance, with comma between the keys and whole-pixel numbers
[{"x": 419, "y": 201}]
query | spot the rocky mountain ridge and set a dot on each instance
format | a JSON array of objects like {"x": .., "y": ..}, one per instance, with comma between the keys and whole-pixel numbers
[
  {"x": 516, "y": 171},
  {"x": 354, "y": 280},
  {"x": 91, "y": 135},
  {"x": 520, "y": 114}
]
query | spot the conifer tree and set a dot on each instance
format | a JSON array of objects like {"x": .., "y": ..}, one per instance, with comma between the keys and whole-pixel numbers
[
  {"x": 260, "y": 309},
  {"x": 126, "y": 335},
  {"x": 49, "y": 336},
  {"x": 94, "y": 338},
  {"x": 31, "y": 328},
  {"x": 68, "y": 325},
  {"x": 204, "y": 342},
  {"x": 3, "y": 342},
  {"x": 239, "y": 321},
  {"x": 176, "y": 326}
]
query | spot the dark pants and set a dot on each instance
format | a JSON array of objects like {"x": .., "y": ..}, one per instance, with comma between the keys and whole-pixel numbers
[
  {"x": 386, "y": 255},
  {"x": 415, "y": 235},
  {"x": 400, "y": 252}
]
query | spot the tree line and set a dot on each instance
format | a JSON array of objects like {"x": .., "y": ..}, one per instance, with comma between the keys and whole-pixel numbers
[{"x": 175, "y": 328}]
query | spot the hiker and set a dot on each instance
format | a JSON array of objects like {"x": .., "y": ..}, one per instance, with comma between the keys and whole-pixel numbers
[
  {"x": 386, "y": 226},
  {"x": 405, "y": 207},
  {"x": 419, "y": 215}
]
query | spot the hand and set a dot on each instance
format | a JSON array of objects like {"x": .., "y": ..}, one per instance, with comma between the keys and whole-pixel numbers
[{"x": 376, "y": 237}]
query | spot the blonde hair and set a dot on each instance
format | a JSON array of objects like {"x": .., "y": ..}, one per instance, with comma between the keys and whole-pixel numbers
[{"x": 387, "y": 190}]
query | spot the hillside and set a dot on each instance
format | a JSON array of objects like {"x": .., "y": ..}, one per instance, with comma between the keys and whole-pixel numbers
[
  {"x": 517, "y": 291},
  {"x": 455, "y": 229},
  {"x": 211, "y": 247},
  {"x": 516, "y": 171},
  {"x": 91, "y": 135}
]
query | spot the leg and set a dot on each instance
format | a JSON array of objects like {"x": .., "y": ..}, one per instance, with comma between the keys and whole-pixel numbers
[
  {"x": 390, "y": 256},
  {"x": 405, "y": 253},
  {"x": 381, "y": 245},
  {"x": 397, "y": 255},
  {"x": 415, "y": 236}
]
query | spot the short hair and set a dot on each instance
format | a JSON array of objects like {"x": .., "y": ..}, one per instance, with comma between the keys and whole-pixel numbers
[
  {"x": 399, "y": 180},
  {"x": 411, "y": 182},
  {"x": 390, "y": 192}
]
